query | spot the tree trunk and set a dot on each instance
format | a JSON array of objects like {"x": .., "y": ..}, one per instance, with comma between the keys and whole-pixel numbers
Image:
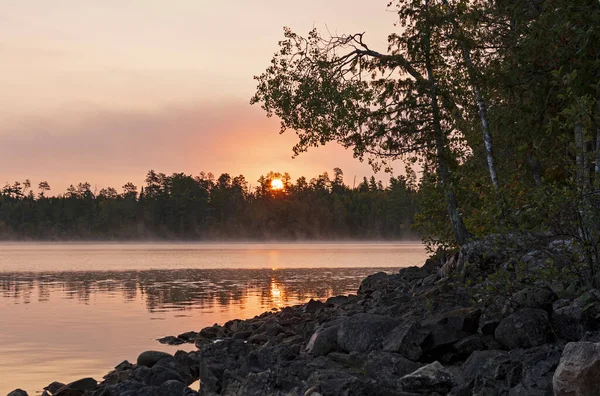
[
  {"x": 579, "y": 160},
  {"x": 481, "y": 105},
  {"x": 597, "y": 159},
  {"x": 461, "y": 235}
]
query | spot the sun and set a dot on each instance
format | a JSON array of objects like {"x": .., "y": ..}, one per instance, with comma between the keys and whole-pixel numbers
[{"x": 276, "y": 184}]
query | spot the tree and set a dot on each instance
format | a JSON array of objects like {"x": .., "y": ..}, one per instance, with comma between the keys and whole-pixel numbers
[
  {"x": 44, "y": 187},
  {"x": 383, "y": 106}
]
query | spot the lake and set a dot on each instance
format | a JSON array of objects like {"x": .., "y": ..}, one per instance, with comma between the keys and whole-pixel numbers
[{"x": 75, "y": 310}]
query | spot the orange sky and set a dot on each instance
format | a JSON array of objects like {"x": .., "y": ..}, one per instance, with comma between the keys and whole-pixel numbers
[{"x": 103, "y": 90}]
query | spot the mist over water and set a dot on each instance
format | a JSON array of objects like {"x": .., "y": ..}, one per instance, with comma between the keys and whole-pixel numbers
[{"x": 76, "y": 310}]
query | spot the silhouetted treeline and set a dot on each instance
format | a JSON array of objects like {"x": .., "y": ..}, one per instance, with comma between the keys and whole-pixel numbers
[{"x": 204, "y": 207}]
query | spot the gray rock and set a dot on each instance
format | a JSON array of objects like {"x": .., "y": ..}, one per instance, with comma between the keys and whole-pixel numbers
[
  {"x": 410, "y": 274},
  {"x": 337, "y": 300},
  {"x": 525, "y": 328},
  {"x": 84, "y": 384},
  {"x": 313, "y": 306},
  {"x": 170, "y": 340},
  {"x": 17, "y": 392},
  {"x": 189, "y": 336},
  {"x": 406, "y": 340},
  {"x": 387, "y": 367},
  {"x": 323, "y": 341},
  {"x": 242, "y": 335},
  {"x": 567, "y": 320},
  {"x": 433, "y": 378},
  {"x": 535, "y": 297},
  {"x": 430, "y": 280},
  {"x": 578, "y": 373},
  {"x": 462, "y": 349},
  {"x": 364, "y": 332},
  {"x": 150, "y": 358},
  {"x": 432, "y": 265},
  {"x": 54, "y": 387}
]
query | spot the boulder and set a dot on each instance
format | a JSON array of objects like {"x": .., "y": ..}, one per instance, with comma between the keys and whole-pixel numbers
[
  {"x": 572, "y": 319},
  {"x": 410, "y": 274},
  {"x": 430, "y": 379},
  {"x": 323, "y": 341},
  {"x": 212, "y": 332},
  {"x": 336, "y": 301},
  {"x": 189, "y": 336},
  {"x": 17, "y": 392},
  {"x": 432, "y": 265},
  {"x": 526, "y": 328},
  {"x": 150, "y": 358},
  {"x": 578, "y": 373},
  {"x": 380, "y": 282},
  {"x": 387, "y": 367},
  {"x": 242, "y": 335},
  {"x": 170, "y": 340},
  {"x": 535, "y": 297},
  {"x": 449, "y": 327},
  {"x": 406, "y": 339},
  {"x": 54, "y": 387},
  {"x": 364, "y": 332},
  {"x": 313, "y": 306}
]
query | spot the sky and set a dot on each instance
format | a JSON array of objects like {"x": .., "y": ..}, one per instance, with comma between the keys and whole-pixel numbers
[{"x": 104, "y": 90}]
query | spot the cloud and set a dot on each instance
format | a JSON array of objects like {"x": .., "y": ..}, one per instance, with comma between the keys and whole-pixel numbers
[{"x": 108, "y": 147}]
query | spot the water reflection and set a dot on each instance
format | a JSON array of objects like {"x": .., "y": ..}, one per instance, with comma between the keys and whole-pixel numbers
[{"x": 183, "y": 289}]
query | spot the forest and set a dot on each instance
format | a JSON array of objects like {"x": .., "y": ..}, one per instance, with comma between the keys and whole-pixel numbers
[
  {"x": 205, "y": 207},
  {"x": 498, "y": 101}
]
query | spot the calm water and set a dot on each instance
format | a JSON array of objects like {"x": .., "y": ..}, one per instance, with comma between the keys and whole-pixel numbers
[{"x": 73, "y": 310}]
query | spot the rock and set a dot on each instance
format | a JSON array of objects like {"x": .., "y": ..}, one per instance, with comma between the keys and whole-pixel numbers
[
  {"x": 525, "y": 328},
  {"x": 572, "y": 319},
  {"x": 433, "y": 378},
  {"x": 567, "y": 320},
  {"x": 535, "y": 297},
  {"x": 17, "y": 392},
  {"x": 406, "y": 340},
  {"x": 124, "y": 365},
  {"x": 150, "y": 358},
  {"x": 84, "y": 384},
  {"x": 447, "y": 328},
  {"x": 323, "y": 341},
  {"x": 379, "y": 282},
  {"x": 364, "y": 332},
  {"x": 66, "y": 391},
  {"x": 462, "y": 349},
  {"x": 432, "y": 265},
  {"x": 410, "y": 274},
  {"x": 537, "y": 368},
  {"x": 480, "y": 258},
  {"x": 386, "y": 367},
  {"x": 54, "y": 387},
  {"x": 189, "y": 336},
  {"x": 170, "y": 340},
  {"x": 430, "y": 280},
  {"x": 242, "y": 335},
  {"x": 578, "y": 373},
  {"x": 516, "y": 373},
  {"x": 212, "y": 332},
  {"x": 463, "y": 319},
  {"x": 313, "y": 306},
  {"x": 336, "y": 301}
]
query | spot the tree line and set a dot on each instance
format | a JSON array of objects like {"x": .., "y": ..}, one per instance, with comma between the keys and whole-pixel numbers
[{"x": 205, "y": 207}]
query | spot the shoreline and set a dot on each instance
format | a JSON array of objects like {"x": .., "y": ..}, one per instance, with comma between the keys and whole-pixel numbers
[{"x": 421, "y": 331}]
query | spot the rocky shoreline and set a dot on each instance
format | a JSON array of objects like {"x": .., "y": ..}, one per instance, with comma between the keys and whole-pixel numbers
[{"x": 478, "y": 323}]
